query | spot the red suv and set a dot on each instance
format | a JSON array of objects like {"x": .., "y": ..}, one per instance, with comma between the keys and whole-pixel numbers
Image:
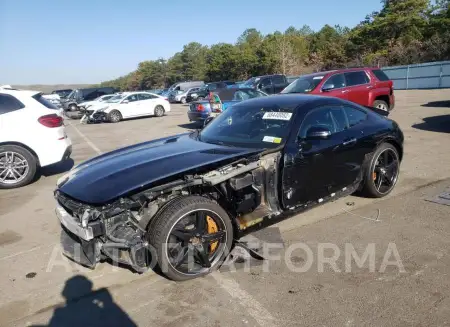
[{"x": 365, "y": 86}]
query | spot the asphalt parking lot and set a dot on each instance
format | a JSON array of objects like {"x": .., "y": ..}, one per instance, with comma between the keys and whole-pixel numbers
[{"x": 40, "y": 287}]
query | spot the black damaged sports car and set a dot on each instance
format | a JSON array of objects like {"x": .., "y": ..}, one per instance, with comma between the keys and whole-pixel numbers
[{"x": 182, "y": 201}]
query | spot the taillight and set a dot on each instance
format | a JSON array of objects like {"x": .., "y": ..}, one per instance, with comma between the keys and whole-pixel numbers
[
  {"x": 51, "y": 121},
  {"x": 200, "y": 107}
]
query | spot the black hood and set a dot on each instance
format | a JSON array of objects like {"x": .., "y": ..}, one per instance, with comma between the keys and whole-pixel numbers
[{"x": 115, "y": 174}]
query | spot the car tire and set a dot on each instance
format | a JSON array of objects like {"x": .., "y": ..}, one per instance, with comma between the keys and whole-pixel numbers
[
  {"x": 26, "y": 174},
  {"x": 159, "y": 111},
  {"x": 174, "y": 213},
  {"x": 183, "y": 100},
  {"x": 380, "y": 104},
  {"x": 73, "y": 107},
  {"x": 376, "y": 173},
  {"x": 114, "y": 116}
]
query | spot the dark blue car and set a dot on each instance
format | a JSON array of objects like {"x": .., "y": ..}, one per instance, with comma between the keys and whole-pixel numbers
[{"x": 200, "y": 110}]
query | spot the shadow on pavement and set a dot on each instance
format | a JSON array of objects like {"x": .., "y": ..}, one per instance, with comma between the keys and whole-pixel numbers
[
  {"x": 192, "y": 125},
  {"x": 85, "y": 307},
  {"x": 438, "y": 104},
  {"x": 58, "y": 168},
  {"x": 440, "y": 124}
]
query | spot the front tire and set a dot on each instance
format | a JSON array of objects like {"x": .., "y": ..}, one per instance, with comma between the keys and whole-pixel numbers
[
  {"x": 18, "y": 166},
  {"x": 115, "y": 116},
  {"x": 192, "y": 235},
  {"x": 183, "y": 100},
  {"x": 382, "y": 171}
]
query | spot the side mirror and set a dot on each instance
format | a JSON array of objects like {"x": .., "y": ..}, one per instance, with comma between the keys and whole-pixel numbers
[
  {"x": 328, "y": 87},
  {"x": 125, "y": 101},
  {"x": 318, "y": 133}
]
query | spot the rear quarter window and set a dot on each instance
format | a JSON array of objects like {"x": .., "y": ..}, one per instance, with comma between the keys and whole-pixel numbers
[
  {"x": 39, "y": 98},
  {"x": 9, "y": 103},
  {"x": 382, "y": 77}
]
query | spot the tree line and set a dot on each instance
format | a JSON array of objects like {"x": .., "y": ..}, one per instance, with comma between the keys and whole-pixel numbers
[{"x": 402, "y": 32}]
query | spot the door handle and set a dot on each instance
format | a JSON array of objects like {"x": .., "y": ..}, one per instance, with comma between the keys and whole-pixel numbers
[
  {"x": 345, "y": 91},
  {"x": 348, "y": 142}
]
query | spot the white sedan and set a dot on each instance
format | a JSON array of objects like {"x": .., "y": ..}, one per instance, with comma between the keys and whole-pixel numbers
[
  {"x": 133, "y": 104},
  {"x": 99, "y": 100}
]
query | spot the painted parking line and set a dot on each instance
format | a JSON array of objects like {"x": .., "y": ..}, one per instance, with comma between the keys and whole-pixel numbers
[
  {"x": 254, "y": 308},
  {"x": 86, "y": 139}
]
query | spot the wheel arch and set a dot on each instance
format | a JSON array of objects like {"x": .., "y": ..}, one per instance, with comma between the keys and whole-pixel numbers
[
  {"x": 23, "y": 146},
  {"x": 396, "y": 144}
]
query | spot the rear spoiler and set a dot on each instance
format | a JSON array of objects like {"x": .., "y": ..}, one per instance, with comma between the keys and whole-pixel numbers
[{"x": 379, "y": 111}]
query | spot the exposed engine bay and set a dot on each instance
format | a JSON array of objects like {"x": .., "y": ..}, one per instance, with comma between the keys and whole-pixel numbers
[{"x": 247, "y": 189}]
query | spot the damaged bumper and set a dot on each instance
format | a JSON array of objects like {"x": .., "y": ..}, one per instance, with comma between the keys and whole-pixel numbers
[{"x": 87, "y": 240}]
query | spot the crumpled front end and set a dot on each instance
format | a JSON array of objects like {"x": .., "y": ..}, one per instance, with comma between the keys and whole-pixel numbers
[{"x": 91, "y": 234}]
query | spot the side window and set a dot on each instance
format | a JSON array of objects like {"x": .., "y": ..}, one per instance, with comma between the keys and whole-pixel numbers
[
  {"x": 9, "y": 103},
  {"x": 132, "y": 98},
  {"x": 356, "y": 78},
  {"x": 335, "y": 82},
  {"x": 265, "y": 82},
  {"x": 355, "y": 116},
  {"x": 339, "y": 119},
  {"x": 320, "y": 117},
  {"x": 91, "y": 95},
  {"x": 278, "y": 80},
  {"x": 212, "y": 87},
  {"x": 143, "y": 96}
]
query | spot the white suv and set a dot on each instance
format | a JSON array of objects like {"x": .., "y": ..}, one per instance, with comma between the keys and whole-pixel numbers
[{"x": 32, "y": 135}]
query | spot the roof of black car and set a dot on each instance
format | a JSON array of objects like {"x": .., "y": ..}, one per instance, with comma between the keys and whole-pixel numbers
[{"x": 292, "y": 100}]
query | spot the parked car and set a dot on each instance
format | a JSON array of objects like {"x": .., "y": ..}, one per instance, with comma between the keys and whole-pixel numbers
[
  {"x": 199, "y": 111},
  {"x": 204, "y": 91},
  {"x": 99, "y": 100},
  {"x": 181, "y": 96},
  {"x": 365, "y": 86},
  {"x": 183, "y": 86},
  {"x": 62, "y": 93},
  {"x": 32, "y": 135},
  {"x": 82, "y": 95},
  {"x": 270, "y": 84},
  {"x": 188, "y": 197},
  {"x": 128, "y": 105}
]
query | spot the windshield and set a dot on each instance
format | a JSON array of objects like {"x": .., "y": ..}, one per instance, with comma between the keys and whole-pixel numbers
[
  {"x": 116, "y": 98},
  {"x": 71, "y": 95},
  {"x": 304, "y": 84},
  {"x": 252, "y": 81},
  {"x": 249, "y": 125}
]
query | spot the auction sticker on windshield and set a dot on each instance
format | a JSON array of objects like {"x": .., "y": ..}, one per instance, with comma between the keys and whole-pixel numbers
[
  {"x": 278, "y": 115},
  {"x": 272, "y": 139}
]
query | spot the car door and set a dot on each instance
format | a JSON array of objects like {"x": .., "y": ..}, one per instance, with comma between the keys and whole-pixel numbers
[
  {"x": 358, "y": 87},
  {"x": 356, "y": 144},
  {"x": 335, "y": 86},
  {"x": 129, "y": 106},
  {"x": 146, "y": 104},
  {"x": 313, "y": 166}
]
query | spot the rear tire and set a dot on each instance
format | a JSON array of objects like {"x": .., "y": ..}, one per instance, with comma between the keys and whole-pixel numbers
[
  {"x": 380, "y": 104},
  {"x": 18, "y": 166},
  {"x": 114, "y": 116},
  {"x": 375, "y": 172},
  {"x": 159, "y": 111},
  {"x": 161, "y": 232},
  {"x": 183, "y": 100},
  {"x": 73, "y": 107}
]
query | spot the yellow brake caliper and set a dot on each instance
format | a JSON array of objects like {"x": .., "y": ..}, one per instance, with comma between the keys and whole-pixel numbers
[{"x": 212, "y": 228}]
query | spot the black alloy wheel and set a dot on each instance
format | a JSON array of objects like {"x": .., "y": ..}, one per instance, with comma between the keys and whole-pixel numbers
[
  {"x": 384, "y": 171},
  {"x": 192, "y": 236}
]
